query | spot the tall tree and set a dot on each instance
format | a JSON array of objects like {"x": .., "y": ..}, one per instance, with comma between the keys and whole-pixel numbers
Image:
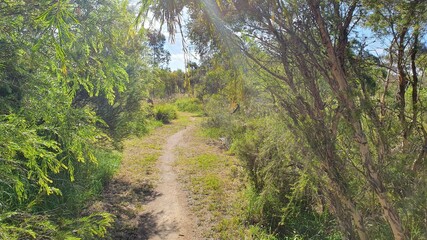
[{"x": 160, "y": 56}]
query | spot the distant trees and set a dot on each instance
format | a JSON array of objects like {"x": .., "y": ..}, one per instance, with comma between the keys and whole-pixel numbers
[{"x": 156, "y": 42}]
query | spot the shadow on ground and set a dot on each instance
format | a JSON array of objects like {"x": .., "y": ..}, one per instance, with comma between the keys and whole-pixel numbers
[{"x": 125, "y": 200}]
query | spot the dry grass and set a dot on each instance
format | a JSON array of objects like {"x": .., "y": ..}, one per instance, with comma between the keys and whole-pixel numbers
[
  {"x": 140, "y": 154},
  {"x": 215, "y": 184}
]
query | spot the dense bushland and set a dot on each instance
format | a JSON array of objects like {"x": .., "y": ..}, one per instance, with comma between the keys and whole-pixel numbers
[
  {"x": 282, "y": 196},
  {"x": 332, "y": 135},
  {"x": 73, "y": 76},
  {"x": 316, "y": 111}
]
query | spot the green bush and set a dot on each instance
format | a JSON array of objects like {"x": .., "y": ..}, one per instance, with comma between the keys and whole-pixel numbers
[
  {"x": 134, "y": 123},
  {"x": 89, "y": 181},
  {"x": 281, "y": 196},
  {"x": 28, "y": 225},
  {"x": 64, "y": 220},
  {"x": 165, "y": 113},
  {"x": 192, "y": 105},
  {"x": 58, "y": 216},
  {"x": 218, "y": 117}
]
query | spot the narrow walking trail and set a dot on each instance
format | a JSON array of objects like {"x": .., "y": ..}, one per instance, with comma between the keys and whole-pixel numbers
[
  {"x": 169, "y": 212},
  {"x": 174, "y": 184},
  {"x": 145, "y": 194}
]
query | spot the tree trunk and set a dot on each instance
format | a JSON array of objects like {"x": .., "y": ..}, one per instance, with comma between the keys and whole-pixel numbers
[
  {"x": 414, "y": 79},
  {"x": 344, "y": 96},
  {"x": 376, "y": 183},
  {"x": 345, "y": 209},
  {"x": 403, "y": 82},
  {"x": 340, "y": 198},
  {"x": 344, "y": 220}
]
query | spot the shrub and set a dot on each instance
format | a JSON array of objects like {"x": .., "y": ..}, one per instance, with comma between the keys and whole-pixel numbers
[
  {"x": 192, "y": 105},
  {"x": 64, "y": 220},
  {"x": 25, "y": 225},
  {"x": 165, "y": 113},
  {"x": 89, "y": 181},
  {"x": 133, "y": 123},
  {"x": 282, "y": 196}
]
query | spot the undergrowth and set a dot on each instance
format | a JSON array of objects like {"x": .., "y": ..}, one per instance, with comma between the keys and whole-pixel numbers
[
  {"x": 90, "y": 180},
  {"x": 60, "y": 216},
  {"x": 280, "y": 199},
  {"x": 165, "y": 113},
  {"x": 192, "y": 105}
]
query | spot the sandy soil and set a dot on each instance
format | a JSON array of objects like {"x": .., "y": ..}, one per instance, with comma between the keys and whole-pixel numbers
[
  {"x": 145, "y": 195},
  {"x": 169, "y": 212}
]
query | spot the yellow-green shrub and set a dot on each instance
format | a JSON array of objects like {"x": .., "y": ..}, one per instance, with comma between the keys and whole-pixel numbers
[{"x": 165, "y": 113}]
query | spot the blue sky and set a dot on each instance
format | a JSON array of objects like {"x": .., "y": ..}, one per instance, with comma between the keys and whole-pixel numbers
[
  {"x": 177, "y": 54},
  {"x": 175, "y": 49}
]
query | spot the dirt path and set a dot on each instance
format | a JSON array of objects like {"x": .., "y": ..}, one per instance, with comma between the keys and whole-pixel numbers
[
  {"x": 175, "y": 184},
  {"x": 168, "y": 213},
  {"x": 144, "y": 194}
]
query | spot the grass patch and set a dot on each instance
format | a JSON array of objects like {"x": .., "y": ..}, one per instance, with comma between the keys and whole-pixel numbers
[
  {"x": 212, "y": 132},
  {"x": 108, "y": 164},
  {"x": 209, "y": 184},
  {"x": 192, "y": 105},
  {"x": 212, "y": 182},
  {"x": 140, "y": 159},
  {"x": 205, "y": 161},
  {"x": 153, "y": 146},
  {"x": 152, "y": 124},
  {"x": 184, "y": 119},
  {"x": 150, "y": 159},
  {"x": 215, "y": 184}
]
